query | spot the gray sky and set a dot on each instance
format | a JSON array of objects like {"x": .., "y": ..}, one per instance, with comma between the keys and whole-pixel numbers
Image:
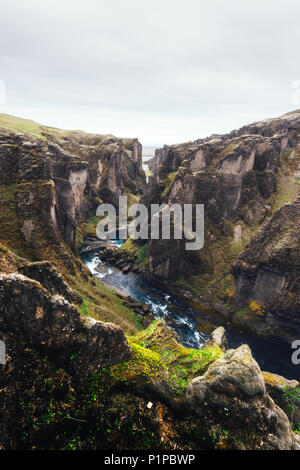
[{"x": 165, "y": 71}]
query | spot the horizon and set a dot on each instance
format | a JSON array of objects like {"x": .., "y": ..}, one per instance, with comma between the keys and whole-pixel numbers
[{"x": 144, "y": 145}]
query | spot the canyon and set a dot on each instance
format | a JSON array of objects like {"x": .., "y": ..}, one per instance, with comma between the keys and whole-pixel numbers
[{"x": 84, "y": 360}]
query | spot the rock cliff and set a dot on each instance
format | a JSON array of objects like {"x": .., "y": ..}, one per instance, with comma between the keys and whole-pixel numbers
[
  {"x": 57, "y": 178},
  {"x": 241, "y": 178},
  {"x": 247, "y": 180},
  {"x": 267, "y": 272}
]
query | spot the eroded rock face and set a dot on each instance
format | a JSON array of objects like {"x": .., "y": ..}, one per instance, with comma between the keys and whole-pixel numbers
[
  {"x": 50, "y": 324},
  {"x": 50, "y": 348},
  {"x": 232, "y": 396},
  {"x": 235, "y": 176},
  {"x": 268, "y": 270},
  {"x": 60, "y": 179},
  {"x": 45, "y": 273},
  {"x": 285, "y": 394}
]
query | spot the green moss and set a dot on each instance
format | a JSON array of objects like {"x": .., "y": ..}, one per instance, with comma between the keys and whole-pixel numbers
[
  {"x": 9, "y": 223},
  {"x": 88, "y": 228},
  {"x": 140, "y": 252},
  {"x": 144, "y": 365},
  {"x": 183, "y": 364},
  {"x": 168, "y": 182}
]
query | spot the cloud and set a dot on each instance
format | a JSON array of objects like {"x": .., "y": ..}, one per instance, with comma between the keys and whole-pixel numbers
[{"x": 158, "y": 70}]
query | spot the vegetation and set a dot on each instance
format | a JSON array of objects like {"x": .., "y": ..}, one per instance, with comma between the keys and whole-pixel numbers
[
  {"x": 140, "y": 252},
  {"x": 168, "y": 181},
  {"x": 183, "y": 364},
  {"x": 292, "y": 395},
  {"x": 27, "y": 126},
  {"x": 9, "y": 224}
]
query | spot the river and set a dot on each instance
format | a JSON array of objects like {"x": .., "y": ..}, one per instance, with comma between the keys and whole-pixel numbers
[{"x": 272, "y": 355}]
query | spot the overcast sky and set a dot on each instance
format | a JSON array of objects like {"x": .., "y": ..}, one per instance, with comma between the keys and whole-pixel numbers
[{"x": 165, "y": 71}]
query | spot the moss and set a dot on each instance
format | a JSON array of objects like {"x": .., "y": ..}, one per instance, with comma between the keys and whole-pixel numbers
[
  {"x": 183, "y": 364},
  {"x": 9, "y": 223},
  {"x": 140, "y": 252},
  {"x": 273, "y": 379},
  {"x": 168, "y": 182},
  {"x": 88, "y": 228},
  {"x": 256, "y": 308},
  {"x": 144, "y": 365}
]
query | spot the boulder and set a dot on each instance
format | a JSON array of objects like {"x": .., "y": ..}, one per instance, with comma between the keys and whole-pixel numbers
[{"x": 231, "y": 398}]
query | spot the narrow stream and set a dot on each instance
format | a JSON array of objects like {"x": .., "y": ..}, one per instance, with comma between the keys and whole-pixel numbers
[{"x": 272, "y": 355}]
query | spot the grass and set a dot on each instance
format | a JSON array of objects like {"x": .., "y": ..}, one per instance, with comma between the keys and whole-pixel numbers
[
  {"x": 27, "y": 126},
  {"x": 88, "y": 228}
]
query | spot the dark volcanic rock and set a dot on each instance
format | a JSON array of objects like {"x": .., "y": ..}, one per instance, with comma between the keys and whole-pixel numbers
[
  {"x": 51, "y": 325},
  {"x": 51, "y": 279},
  {"x": 60, "y": 180},
  {"x": 235, "y": 176},
  {"x": 268, "y": 270}
]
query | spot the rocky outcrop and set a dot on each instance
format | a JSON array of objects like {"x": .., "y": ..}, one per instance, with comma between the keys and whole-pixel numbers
[
  {"x": 48, "y": 323},
  {"x": 286, "y": 394},
  {"x": 50, "y": 278},
  {"x": 64, "y": 374},
  {"x": 217, "y": 338},
  {"x": 268, "y": 270},
  {"x": 48, "y": 347},
  {"x": 232, "y": 396}
]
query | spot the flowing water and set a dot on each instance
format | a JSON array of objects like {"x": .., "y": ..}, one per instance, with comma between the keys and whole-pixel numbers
[{"x": 272, "y": 355}]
